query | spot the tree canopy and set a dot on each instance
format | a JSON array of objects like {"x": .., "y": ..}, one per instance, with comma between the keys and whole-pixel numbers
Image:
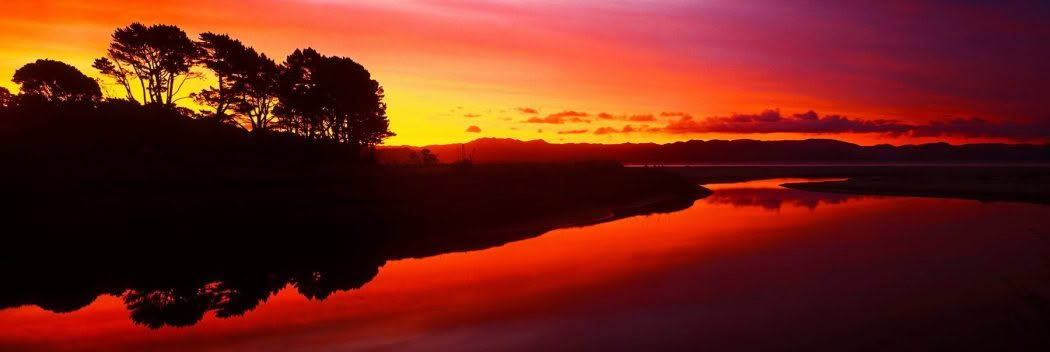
[
  {"x": 247, "y": 81},
  {"x": 331, "y": 99},
  {"x": 159, "y": 57},
  {"x": 56, "y": 81},
  {"x": 316, "y": 98}
]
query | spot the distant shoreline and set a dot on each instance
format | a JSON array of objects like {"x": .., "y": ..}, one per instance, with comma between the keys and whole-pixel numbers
[
  {"x": 832, "y": 164},
  {"x": 1006, "y": 191},
  {"x": 1028, "y": 183}
]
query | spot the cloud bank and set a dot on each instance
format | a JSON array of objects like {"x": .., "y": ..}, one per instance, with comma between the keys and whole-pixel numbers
[{"x": 773, "y": 121}]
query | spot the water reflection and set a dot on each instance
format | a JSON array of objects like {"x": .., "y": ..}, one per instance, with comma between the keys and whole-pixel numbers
[
  {"x": 866, "y": 274},
  {"x": 183, "y": 299},
  {"x": 234, "y": 296},
  {"x": 768, "y": 195},
  {"x": 176, "y": 287}
]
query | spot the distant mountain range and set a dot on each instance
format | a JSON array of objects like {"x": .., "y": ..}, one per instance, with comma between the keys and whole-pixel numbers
[{"x": 487, "y": 150}]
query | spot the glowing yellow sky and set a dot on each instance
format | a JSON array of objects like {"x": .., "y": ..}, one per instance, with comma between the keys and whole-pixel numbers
[{"x": 447, "y": 65}]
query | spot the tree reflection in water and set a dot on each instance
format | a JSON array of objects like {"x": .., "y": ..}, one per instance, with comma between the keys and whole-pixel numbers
[
  {"x": 173, "y": 294},
  {"x": 176, "y": 283},
  {"x": 187, "y": 305}
]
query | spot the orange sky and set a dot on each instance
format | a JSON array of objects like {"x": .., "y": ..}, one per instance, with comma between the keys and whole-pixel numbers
[{"x": 450, "y": 65}]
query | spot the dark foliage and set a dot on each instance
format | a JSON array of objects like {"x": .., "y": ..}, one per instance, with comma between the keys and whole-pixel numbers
[
  {"x": 6, "y": 98},
  {"x": 220, "y": 55},
  {"x": 247, "y": 82},
  {"x": 331, "y": 99},
  {"x": 54, "y": 82},
  {"x": 159, "y": 57}
]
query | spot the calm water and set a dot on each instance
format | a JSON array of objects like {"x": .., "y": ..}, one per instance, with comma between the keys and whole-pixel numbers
[{"x": 752, "y": 267}]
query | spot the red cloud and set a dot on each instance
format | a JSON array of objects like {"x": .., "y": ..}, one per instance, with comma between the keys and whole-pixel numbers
[
  {"x": 573, "y": 132},
  {"x": 642, "y": 118},
  {"x": 638, "y": 118},
  {"x": 674, "y": 114},
  {"x": 561, "y": 117},
  {"x": 528, "y": 110},
  {"x": 771, "y": 121},
  {"x": 625, "y": 129}
]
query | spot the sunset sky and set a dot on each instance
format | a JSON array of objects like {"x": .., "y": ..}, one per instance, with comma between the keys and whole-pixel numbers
[{"x": 614, "y": 71}]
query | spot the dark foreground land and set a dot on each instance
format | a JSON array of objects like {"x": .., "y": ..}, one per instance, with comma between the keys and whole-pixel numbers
[
  {"x": 444, "y": 202},
  {"x": 179, "y": 246},
  {"x": 181, "y": 214},
  {"x": 1019, "y": 183}
]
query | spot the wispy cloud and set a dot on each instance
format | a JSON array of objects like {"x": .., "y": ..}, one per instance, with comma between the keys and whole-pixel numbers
[
  {"x": 773, "y": 121},
  {"x": 561, "y": 117},
  {"x": 573, "y": 132},
  {"x": 636, "y": 118},
  {"x": 625, "y": 129}
]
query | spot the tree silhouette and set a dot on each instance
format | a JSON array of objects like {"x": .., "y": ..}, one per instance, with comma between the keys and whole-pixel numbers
[
  {"x": 56, "y": 82},
  {"x": 314, "y": 101},
  {"x": 331, "y": 99},
  {"x": 247, "y": 81},
  {"x": 219, "y": 55},
  {"x": 301, "y": 101},
  {"x": 181, "y": 306},
  {"x": 117, "y": 72},
  {"x": 159, "y": 57},
  {"x": 256, "y": 90}
]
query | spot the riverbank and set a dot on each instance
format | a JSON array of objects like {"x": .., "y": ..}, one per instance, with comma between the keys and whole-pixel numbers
[
  {"x": 327, "y": 230},
  {"x": 1012, "y": 189},
  {"x": 427, "y": 206}
]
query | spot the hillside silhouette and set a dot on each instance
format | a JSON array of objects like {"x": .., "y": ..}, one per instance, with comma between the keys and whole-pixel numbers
[{"x": 727, "y": 151}]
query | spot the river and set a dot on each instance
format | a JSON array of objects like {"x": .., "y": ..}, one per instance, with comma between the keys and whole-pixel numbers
[{"x": 753, "y": 267}]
